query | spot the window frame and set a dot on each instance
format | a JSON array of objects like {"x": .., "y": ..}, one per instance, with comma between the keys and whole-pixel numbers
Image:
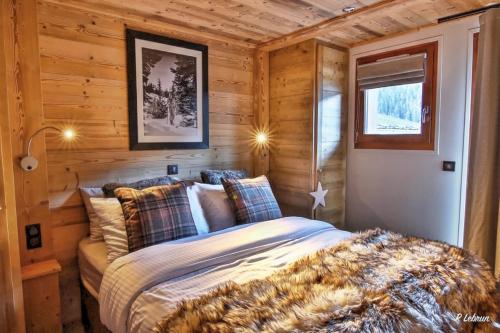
[{"x": 423, "y": 141}]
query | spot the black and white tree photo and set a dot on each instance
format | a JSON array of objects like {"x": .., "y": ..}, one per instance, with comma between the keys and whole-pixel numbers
[
  {"x": 170, "y": 108},
  {"x": 169, "y": 89}
]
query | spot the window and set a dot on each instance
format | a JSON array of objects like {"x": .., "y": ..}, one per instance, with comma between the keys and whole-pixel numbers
[{"x": 395, "y": 99}]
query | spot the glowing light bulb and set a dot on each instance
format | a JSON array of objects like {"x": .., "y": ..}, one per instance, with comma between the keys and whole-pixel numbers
[
  {"x": 68, "y": 134},
  {"x": 261, "y": 138}
]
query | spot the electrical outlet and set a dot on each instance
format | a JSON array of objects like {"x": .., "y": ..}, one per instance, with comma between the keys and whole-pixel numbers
[
  {"x": 33, "y": 236},
  {"x": 172, "y": 169}
]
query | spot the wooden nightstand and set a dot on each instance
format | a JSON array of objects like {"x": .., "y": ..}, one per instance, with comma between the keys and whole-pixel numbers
[{"x": 42, "y": 304}]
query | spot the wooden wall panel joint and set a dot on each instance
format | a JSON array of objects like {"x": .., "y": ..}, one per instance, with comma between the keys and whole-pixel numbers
[{"x": 261, "y": 109}]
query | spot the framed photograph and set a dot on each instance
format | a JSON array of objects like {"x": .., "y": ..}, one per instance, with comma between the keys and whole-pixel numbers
[{"x": 168, "y": 92}]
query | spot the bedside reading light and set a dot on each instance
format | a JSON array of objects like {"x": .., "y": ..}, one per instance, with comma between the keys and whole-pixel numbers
[{"x": 30, "y": 163}]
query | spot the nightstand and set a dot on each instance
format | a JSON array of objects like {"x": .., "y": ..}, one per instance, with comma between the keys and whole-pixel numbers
[{"x": 42, "y": 304}]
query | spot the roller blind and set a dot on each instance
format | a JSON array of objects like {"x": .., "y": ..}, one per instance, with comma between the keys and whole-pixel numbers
[{"x": 393, "y": 71}]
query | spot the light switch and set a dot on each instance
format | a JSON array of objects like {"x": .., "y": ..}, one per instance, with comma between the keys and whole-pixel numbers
[{"x": 449, "y": 166}]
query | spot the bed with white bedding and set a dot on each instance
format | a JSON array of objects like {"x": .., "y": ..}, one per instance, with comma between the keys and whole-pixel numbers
[
  {"x": 164, "y": 271},
  {"x": 139, "y": 289}
]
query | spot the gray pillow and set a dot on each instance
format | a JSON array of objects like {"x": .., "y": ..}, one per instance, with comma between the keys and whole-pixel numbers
[
  {"x": 214, "y": 176},
  {"x": 109, "y": 189}
]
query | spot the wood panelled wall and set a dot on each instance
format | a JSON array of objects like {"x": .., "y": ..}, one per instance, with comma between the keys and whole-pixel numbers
[
  {"x": 83, "y": 81},
  {"x": 307, "y": 115},
  {"x": 11, "y": 292},
  {"x": 292, "y": 72},
  {"x": 73, "y": 70},
  {"x": 331, "y": 120}
]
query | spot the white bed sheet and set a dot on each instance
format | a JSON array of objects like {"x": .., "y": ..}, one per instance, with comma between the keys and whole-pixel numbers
[
  {"x": 92, "y": 259},
  {"x": 139, "y": 289}
]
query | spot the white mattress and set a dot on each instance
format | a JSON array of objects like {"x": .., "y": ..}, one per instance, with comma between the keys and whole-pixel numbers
[{"x": 93, "y": 262}]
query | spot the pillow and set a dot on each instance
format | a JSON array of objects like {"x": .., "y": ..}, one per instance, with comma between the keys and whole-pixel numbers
[
  {"x": 108, "y": 189},
  {"x": 217, "y": 209},
  {"x": 252, "y": 199},
  {"x": 196, "y": 210},
  {"x": 95, "y": 225},
  {"x": 109, "y": 211},
  {"x": 214, "y": 176},
  {"x": 156, "y": 214}
]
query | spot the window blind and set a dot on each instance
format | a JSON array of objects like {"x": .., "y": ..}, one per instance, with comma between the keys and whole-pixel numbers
[{"x": 393, "y": 71}]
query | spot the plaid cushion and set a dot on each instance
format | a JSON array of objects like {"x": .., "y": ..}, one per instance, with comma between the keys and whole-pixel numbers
[
  {"x": 156, "y": 214},
  {"x": 214, "y": 176},
  {"x": 109, "y": 189},
  {"x": 252, "y": 199}
]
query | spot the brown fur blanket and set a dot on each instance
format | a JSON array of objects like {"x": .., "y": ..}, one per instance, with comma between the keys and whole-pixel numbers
[{"x": 377, "y": 281}]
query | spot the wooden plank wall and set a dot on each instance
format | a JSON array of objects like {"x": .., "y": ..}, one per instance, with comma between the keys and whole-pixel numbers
[
  {"x": 83, "y": 79},
  {"x": 26, "y": 117},
  {"x": 11, "y": 291},
  {"x": 292, "y": 72},
  {"x": 331, "y": 119},
  {"x": 308, "y": 125}
]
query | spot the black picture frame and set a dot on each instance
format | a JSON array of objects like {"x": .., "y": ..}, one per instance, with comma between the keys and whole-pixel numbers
[{"x": 132, "y": 36}]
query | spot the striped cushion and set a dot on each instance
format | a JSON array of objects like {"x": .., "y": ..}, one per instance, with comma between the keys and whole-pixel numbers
[
  {"x": 95, "y": 223},
  {"x": 156, "y": 214},
  {"x": 252, "y": 199}
]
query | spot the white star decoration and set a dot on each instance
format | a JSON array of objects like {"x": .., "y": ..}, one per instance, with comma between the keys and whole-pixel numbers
[{"x": 319, "y": 196}]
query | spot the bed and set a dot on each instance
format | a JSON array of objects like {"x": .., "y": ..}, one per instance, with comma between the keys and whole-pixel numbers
[
  {"x": 274, "y": 274},
  {"x": 141, "y": 289}
]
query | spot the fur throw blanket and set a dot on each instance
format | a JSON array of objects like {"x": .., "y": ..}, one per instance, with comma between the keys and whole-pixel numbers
[{"x": 376, "y": 281}]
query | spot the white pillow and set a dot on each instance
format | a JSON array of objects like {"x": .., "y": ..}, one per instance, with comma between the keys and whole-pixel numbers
[
  {"x": 196, "y": 211},
  {"x": 95, "y": 228},
  {"x": 109, "y": 211},
  {"x": 216, "y": 206}
]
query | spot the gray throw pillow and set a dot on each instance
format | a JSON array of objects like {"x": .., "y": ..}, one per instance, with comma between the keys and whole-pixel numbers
[
  {"x": 109, "y": 189},
  {"x": 214, "y": 176}
]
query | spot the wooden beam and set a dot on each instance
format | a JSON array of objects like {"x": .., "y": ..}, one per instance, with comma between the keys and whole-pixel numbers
[
  {"x": 26, "y": 117},
  {"x": 11, "y": 305},
  {"x": 261, "y": 107},
  {"x": 317, "y": 30}
]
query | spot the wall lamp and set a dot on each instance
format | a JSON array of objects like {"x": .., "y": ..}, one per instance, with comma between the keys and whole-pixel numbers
[
  {"x": 261, "y": 138},
  {"x": 260, "y": 141},
  {"x": 29, "y": 162}
]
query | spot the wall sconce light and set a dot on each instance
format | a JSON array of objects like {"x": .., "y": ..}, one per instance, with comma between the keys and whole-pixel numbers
[
  {"x": 260, "y": 141},
  {"x": 261, "y": 138},
  {"x": 29, "y": 162}
]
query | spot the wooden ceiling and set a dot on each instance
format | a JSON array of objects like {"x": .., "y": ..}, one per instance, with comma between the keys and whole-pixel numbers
[{"x": 269, "y": 22}]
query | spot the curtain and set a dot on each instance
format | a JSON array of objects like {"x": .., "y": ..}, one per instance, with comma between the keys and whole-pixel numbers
[{"x": 483, "y": 182}]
